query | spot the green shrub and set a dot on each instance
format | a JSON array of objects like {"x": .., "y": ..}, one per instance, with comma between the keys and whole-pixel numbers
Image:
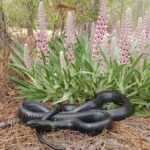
[{"x": 82, "y": 78}]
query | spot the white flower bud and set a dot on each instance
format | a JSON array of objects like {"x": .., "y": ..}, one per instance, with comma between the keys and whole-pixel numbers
[{"x": 62, "y": 60}]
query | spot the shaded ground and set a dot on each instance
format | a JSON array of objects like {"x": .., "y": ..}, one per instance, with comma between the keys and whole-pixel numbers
[{"x": 130, "y": 134}]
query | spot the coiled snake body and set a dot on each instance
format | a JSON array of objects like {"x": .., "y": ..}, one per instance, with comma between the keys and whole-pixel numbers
[{"x": 87, "y": 118}]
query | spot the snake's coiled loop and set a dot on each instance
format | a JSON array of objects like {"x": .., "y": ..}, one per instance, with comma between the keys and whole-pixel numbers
[{"x": 87, "y": 118}]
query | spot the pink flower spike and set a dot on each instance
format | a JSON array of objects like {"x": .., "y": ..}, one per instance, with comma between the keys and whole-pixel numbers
[
  {"x": 139, "y": 28},
  {"x": 70, "y": 29},
  {"x": 27, "y": 58},
  {"x": 125, "y": 38},
  {"x": 101, "y": 27},
  {"x": 70, "y": 54},
  {"x": 146, "y": 23},
  {"x": 70, "y": 35},
  {"x": 92, "y": 34},
  {"x": 42, "y": 40}
]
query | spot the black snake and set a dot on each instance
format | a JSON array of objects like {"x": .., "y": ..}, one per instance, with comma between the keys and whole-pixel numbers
[{"x": 87, "y": 118}]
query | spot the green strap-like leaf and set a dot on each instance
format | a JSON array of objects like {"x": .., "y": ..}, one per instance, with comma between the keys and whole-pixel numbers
[
  {"x": 20, "y": 82},
  {"x": 104, "y": 57}
]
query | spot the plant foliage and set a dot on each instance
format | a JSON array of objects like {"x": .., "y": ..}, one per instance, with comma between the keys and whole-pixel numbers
[{"x": 82, "y": 78}]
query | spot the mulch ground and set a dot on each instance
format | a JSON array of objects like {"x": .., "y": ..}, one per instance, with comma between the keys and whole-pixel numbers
[{"x": 130, "y": 134}]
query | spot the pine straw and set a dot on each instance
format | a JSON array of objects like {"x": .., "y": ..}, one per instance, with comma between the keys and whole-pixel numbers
[{"x": 130, "y": 134}]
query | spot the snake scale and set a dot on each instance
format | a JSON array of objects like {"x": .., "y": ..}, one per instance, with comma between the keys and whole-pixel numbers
[{"x": 88, "y": 118}]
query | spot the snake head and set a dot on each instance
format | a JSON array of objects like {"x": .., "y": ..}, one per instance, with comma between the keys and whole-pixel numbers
[
  {"x": 33, "y": 123},
  {"x": 39, "y": 124}
]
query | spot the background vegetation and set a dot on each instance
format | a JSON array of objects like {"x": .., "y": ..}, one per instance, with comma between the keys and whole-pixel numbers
[
  {"x": 23, "y": 13},
  {"x": 19, "y": 22}
]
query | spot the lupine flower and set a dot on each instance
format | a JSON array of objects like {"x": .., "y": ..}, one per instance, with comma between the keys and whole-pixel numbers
[
  {"x": 125, "y": 38},
  {"x": 126, "y": 26},
  {"x": 70, "y": 35},
  {"x": 104, "y": 9},
  {"x": 124, "y": 51},
  {"x": 139, "y": 28},
  {"x": 143, "y": 44},
  {"x": 146, "y": 24},
  {"x": 70, "y": 54},
  {"x": 101, "y": 27},
  {"x": 42, "y": 41},
  {"x": 138, "y": 39},
  {"x": 92, "y": 34},
  {"x": 41, "y": 16},
  {"x": 105, "y": 44},
  {"x": 127, "y": 23},
  {"x": 114, "y": 48},
  {"x": 117, "y": 30},
  {"x": 62, "y": 60},
  {"x": 143, "y": 41},
  {"x": 144, "y": 38},
  {"x": 27, "y": 59},
  {"x": 70, "y": 29},
  {"x": 106, "y": 48}
]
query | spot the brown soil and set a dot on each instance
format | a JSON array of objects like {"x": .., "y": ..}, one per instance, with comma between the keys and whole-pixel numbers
[{"x": 130, "y": 134}]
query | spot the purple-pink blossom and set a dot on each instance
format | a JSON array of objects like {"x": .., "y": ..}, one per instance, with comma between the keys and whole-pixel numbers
[
  {"x": 42, "y": 40},
  {"x": 125, "y": 38},
  {"x": 101, "y": 28},
  {"x": 27, "y": 58},
  {"x": 146, "y": 24},
  {"x": 70, "y": 35}
]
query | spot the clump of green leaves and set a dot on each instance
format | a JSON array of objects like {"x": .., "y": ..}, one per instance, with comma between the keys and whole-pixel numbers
[{"x": 82, "y": 78}]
